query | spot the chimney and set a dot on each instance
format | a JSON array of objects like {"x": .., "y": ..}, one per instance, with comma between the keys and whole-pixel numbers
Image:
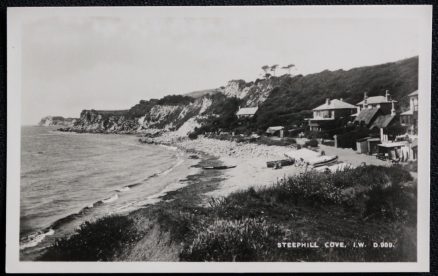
[
  {"x": 327, "y": 101},
  {"x": 392, "y": 109},
  {"x": 365, "y": 98},
  {"x": 387, "y": 95},
  {"x": 341, "y": 99}
]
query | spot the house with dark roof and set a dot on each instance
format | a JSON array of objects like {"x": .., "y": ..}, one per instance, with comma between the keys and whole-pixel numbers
[
  {"x": 376, "y": 112},
  {"x": 383, "y": 121},
  {"x": 330, "y": 113},
  {"x": 384, "y": 103},
  {"x": 409, "y": 118},
  {"x": 367, "y": 116}
]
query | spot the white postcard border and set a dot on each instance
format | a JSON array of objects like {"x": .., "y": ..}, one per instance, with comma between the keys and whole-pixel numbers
[{"x": 13, "y": 264}]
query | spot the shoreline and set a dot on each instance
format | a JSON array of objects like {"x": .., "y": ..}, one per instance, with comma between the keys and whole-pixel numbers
[
  {"x": 168, "y": 193},
  {"x": 158, "y": 242},
  {"x": 167, "y": 229}
]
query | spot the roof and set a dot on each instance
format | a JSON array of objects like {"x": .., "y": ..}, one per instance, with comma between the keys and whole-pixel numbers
[
  {"x": 273, "y": 129},
  {"x": 247, "y": 111},
  {"x": 366, "y": 115},
  {"x": 409, "y": 112},
  {"x": 335, "y": 104},
  {"x": 375, "y": 100},
  {"x": 382, "y": 121},
  {"x": 415, "y": 93},
  {"x": 392, "y": 144}
]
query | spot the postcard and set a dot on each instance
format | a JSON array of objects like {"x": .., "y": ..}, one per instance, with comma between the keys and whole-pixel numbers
[{"x": 218, "y": 139}]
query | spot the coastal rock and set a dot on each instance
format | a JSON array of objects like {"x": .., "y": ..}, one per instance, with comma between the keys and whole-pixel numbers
[
  {"x": 155, "y": 119},
  {"x": 57, "y": 121}
]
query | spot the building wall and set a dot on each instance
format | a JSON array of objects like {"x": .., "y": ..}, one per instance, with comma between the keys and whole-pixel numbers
[
  {"x": 413, "y": 103},
  {"x": 321, "y": 114},
  {"x": 333, "y": 113},
  {"x": 384, "y": 107},
  {"x": 344, "y": 112}
]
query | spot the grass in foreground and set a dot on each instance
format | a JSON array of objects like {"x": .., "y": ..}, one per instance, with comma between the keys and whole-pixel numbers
[
  {"x": 101, "y": 240},
  {"x": 367, "y": 204}
]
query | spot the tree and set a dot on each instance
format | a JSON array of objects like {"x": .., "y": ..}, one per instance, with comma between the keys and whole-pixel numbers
[
  {"x": 288, "y": 67},
  {"x": 274, "y": 68},
  {"x": 266, "y": 68}
]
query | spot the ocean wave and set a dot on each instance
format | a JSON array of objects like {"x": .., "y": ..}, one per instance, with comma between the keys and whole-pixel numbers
[
  {"x": 35, "y": 239},
  {"x": 123, "y": 189},
  {"x": 168, "y": 147},
  {"x": 179, "y": 162},
  {"x": 111, "y": 199}
]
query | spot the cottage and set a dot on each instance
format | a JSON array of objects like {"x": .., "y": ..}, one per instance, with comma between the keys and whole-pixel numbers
[
  {"x": 384, "y": 103},
  {"x": 275, "y": 130},
  {"x": 246, "y": 112},
  {"x": 328, "y": 114},
  {"x": 367, "y": 145},
  {"x": 409, "y": 118},
  {"x": 376, "y": 112},
  {"x": 399, "y": 151}
]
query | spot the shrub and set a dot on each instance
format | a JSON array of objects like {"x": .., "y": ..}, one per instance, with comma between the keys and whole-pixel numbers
[
  {"x": 348, "y": 139},
  {"x": 179, "y": 224},
  {"x": 193, "y": 136},
  {"x": 175, "y": 100},
  {"x": 229, "y": 241},
  {"x": 311, "y": 143},
  {"x": 411, "y": 166},
  {"x": 394, "y": 202},
  {"x": 318, "y": 187},
  {"x": 101, "y": 240}
]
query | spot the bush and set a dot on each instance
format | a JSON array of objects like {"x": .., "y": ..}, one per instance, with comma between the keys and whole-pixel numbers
[
  {"x": 318, "y": 187},
  {"x": 101, "y": 240},
  {"x": 193, "y": 136},
  {"x": 348, "y": 139},
  {"x": 175, "y": 100},
  {"x": 393, "y": 202},
  {"x": 248, "y": 225},
  {"x": 311, "y": 143},
  {"x": 233, "y": 241}
]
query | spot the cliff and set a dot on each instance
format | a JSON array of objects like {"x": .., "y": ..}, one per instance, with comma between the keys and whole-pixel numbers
[
  {"x": 283, "y": 100},
  {"x": 57, "y": 121},
  {"x": 154, "y": 118}
]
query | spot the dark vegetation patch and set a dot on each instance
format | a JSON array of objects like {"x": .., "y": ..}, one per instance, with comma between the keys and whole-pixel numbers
[
  {"x": 101, "y": 240},
  {"x": 293, "y": 98},
  {"x": 368, "y": 204},
  {"x": 175, "y": 100}
]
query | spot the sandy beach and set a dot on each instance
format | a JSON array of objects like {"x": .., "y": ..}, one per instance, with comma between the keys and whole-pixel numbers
[{"x": 250, "y": 161}]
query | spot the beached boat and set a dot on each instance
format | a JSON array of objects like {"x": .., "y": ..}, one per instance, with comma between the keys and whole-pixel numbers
[
  {"x": 283, "y": 162},
  {"x": 337, "y": 166},
  {"x": 323, "y": 160},
  {"x": 218, "y": 167},
  {"x": 302, "y": 154}
]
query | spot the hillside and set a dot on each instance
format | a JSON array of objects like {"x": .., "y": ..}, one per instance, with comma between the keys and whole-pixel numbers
[
  {"x": 293, "y": 98},
  {"x": 282, "y": 100},
  {"x": 201, "y": 93}
]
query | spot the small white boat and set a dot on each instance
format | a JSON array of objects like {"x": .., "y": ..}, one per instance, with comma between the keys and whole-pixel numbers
[
  {"x": 339, "y": 166},
  {"x": 323, "y": 160}
]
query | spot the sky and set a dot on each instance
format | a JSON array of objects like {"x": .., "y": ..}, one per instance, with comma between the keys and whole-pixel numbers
[{"x": 112, "y": 60}]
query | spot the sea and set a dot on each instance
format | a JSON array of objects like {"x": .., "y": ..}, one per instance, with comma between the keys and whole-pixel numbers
[{"x": 69, "y": 178}]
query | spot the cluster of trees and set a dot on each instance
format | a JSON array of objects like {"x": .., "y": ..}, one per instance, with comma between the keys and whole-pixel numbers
[{"x": 274, "y": 68}]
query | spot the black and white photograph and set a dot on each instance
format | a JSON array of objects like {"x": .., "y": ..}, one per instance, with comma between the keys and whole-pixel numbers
[{"x": 250, "y": 139}]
